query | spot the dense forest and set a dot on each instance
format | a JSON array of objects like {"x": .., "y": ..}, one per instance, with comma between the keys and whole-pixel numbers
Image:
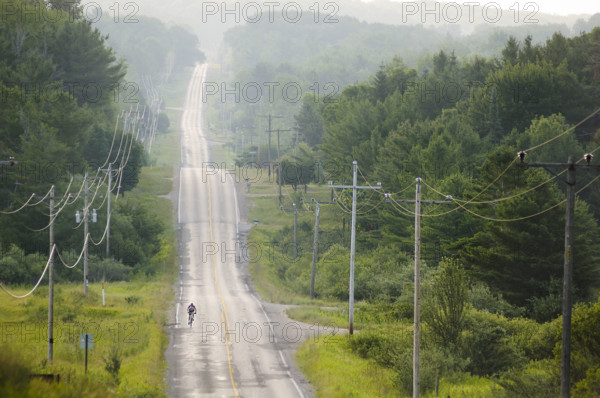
[
  {"x": 459, "y": 125},
  {"x": 71, "y": 104},
  {"x": 457, "y": 120},
  {"x": 461, "y": 141},
  {"x": 268, "y": 66}
]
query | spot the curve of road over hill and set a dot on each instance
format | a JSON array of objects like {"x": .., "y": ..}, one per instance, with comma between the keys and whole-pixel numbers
[{"x": 233, "y": 348}]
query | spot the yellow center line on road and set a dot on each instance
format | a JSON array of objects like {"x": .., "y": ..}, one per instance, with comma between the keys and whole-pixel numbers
[{"x": 224, "y": 317}]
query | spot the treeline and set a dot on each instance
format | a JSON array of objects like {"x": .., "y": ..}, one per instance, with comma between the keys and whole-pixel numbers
[
  {"x": 269, "y": 66},
  {"x": 62, "y": 93},
  {"x": 459, "y": 127},
  {"x": 149, "y": 47}
]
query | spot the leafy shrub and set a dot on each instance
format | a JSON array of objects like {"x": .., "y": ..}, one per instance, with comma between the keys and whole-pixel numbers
[
  {"x": 589, "y": 387},
  {"x": 112, "y": 362},
  {"x": 488, "y": 345},
  {"x": 403, "y": 310},
  {"x": 585, "y": 344},
  {"x": 537, "y": 380},
  {"x": 381, "y": 274},
  {"x": 17, "y": 267},
  {"x": 434, "y": 362},
  {"x": 384, "y": 347},
  {"x": 538, "y": 341},
  {"x": 109, "y": 269},
  {"x": 546, "y": 308},
  {"x": 481, "y": 298},
  {"x": 394, "y": 349},
  {"x": 444, "y": 308},
  {"x": 333, "y": 273}
]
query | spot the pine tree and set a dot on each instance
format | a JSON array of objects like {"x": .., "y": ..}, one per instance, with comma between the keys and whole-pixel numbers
[
  {"x": 380, "y": 85},
  {"x": 493, "y": 119}
]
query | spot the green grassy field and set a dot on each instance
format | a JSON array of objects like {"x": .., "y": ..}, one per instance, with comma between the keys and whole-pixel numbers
[
  {"x": 327, "y": 362},
  {"x": 129, "y": 330}
]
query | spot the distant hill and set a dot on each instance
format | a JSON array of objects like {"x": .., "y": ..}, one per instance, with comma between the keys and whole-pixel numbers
[{"x": 210, "y": 20}]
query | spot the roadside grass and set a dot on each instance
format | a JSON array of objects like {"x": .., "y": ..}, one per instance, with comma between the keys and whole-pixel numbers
[
  {"x": 466, "y": 385},
  {"x": 131, "y": 325},
  {"x": 335, "y": 372},
  {"x": 263, "y": 205},
  {"x": 154, "y": 181},
  {"x": 334, "y": 314},
  {"x": 166, "y": 147}
]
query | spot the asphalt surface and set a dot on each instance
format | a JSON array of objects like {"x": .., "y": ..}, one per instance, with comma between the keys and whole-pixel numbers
[{"x": 238, "y": 346}]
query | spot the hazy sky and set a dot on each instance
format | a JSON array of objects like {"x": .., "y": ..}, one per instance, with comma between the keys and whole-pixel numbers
[{"x": 560, "y": 7}]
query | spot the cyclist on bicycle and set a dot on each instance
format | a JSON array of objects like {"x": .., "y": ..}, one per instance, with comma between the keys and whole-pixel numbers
[{"x": 191, "y": 311}]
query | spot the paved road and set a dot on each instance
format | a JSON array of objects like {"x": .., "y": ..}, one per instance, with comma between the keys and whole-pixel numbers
[{"x": 232, "y": 350}]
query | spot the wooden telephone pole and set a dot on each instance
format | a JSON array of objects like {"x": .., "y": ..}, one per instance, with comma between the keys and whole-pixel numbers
[
  {"x": 354, "y": 187},
  {"x": 571, "y": 166},
  {"x": 417, "y": 298},
  {"x": 270, "y": 118},
  {"x": 315, "y": 245}
]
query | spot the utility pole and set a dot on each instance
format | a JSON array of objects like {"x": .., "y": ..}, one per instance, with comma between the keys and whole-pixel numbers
[
  {"x": 315, "y": 246},
  {"x": 51, "y": 281},
  {"x": 295, "y": 210},
  {"x": 51, "y": 274},
  {"x": 295, "y": 235},
  {"x": 85, "y": 236},
  {"x": 279, "y": 162},
  {"x": 565, "y": 384},
  {"x": 85, "y": 230},
  {"x": 269, "y": 140},
  {"x": 108, "y": 193},
  {"x": 314, "y": 259},
  {"x": 571, "y": 166},
  {"x": 354, "y": 187},
  {"x": 297, "y": 129},
  {"x": 417, "y": 298}
]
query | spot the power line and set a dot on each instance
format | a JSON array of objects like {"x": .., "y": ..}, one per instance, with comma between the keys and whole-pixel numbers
[
  {"x": 78, "y": 258},
  {"x": 588, "y": 117},
  {"x": 24, "y": 205},
  {"x": 270, "y": 118},
  {"x": 38, "y": 282},
  {"x": 529, "y": 150}
]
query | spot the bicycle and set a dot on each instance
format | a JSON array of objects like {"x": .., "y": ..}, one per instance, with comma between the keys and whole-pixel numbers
[{"x": 191, "y": 319}]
